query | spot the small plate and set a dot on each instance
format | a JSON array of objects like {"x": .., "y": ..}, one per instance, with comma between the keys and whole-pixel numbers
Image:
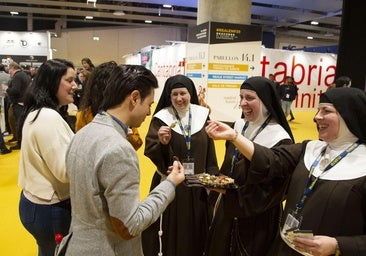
[{"x": 210, "y": 181}]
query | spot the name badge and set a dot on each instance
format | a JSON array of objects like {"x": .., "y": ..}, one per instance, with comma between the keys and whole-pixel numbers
[{"x": 188, "y": 165}]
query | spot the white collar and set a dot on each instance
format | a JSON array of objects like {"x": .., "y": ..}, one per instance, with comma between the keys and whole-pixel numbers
[
  {"x": 268, "y": 137},
  {"x": 199, "y": 118},
  {"x": 350, "y": 167}
]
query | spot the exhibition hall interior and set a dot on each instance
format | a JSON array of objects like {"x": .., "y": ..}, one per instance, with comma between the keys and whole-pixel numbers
[{"x": 294, "y": 39}]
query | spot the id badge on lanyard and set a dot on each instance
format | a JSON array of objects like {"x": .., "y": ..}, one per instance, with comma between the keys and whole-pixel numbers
[
  {"x": 293, "y": 221},
  {"x": 188, "y": 165}
]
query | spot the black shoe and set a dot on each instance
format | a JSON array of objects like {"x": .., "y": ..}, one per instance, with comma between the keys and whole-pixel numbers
[
  {"x": 16, "y": 147},
  {"x": 5, "y": 151}
]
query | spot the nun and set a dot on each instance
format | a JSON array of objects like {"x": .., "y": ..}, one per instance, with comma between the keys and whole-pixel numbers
[
  {"x": 177, "y": 130},
  {"x": 246, "y": 219},
  {"x": 325, "y": 205}
]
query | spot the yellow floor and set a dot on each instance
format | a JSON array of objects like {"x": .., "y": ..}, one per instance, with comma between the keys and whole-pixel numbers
[{"x": 16, "y": 241}]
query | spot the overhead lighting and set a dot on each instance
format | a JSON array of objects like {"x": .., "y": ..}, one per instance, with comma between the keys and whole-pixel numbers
[
  {"x": 89, "y": 17},
  {"x": 167, "y": 5},
  {"x": 310, "y": 37},
  {"x": 14, "y": 13},
  {"x": 91, "y": 1},
  {"x": 148, "y": 21},
  {"x": 314, "y": 23},
  {"x": 119, "y": 13}
]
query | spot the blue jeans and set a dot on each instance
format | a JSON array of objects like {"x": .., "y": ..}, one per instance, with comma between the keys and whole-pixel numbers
[
  {"x": 286, "y": 107},
  {"x": 44, "y": 222}
]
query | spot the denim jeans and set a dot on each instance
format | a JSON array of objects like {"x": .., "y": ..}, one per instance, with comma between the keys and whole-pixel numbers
[
  {"x": 44, "y": 222},
  {"x": 286, "y": 107}
]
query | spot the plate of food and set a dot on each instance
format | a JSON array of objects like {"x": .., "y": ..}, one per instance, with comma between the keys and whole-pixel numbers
[{"x": 210, "y": 181}]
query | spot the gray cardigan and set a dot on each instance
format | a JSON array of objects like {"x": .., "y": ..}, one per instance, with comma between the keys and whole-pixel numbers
[{"x": 104, "y": 181}]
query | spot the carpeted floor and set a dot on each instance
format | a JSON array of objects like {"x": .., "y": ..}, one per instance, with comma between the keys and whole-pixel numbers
[{"x": 16, "y": 241}]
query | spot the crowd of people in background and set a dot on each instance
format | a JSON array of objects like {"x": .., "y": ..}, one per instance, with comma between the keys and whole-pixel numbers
[{"x": 80, "y": 177}]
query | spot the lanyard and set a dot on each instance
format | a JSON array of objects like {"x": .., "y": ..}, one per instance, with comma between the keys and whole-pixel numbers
[
  {"x": 309, "y": 186},
  {"x": 124, "y": 127},
  {"x": 236, "y": 151},
  {"x": 187, "y": 137}
]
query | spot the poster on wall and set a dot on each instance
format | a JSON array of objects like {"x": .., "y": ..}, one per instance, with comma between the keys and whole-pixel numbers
[
  {"x": 25, "y": 48},
  {"x": 197, "y": 65},
  {"x": 312, "y": 73},
  {"x": 220, "y": 66}
]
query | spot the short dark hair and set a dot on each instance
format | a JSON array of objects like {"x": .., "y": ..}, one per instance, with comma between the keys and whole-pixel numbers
[
  {"x": 342, "y": 80},
  {"x": 125, "y": 79}
]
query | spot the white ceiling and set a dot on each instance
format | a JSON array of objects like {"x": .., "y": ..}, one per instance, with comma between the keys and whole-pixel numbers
[{"x": 286, "y": 17}]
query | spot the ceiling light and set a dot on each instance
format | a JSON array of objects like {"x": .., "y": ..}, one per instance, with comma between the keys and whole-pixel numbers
[
  {"x": 91, "y": 1},
  {"x": 148, "y": 21},
  {"x": 89, "y": 17},
  {"x": 14, "y": 13},
  {"x": 310, "y": 37},
  {"x": 314, "y": 22},
  {"x": 119, "y": 13},
  {"x": 167, "y": 5}
]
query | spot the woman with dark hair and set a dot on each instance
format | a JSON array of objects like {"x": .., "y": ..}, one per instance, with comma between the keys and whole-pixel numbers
[
  {"x": 326, "y": 198},
  {"x": 44, "y": 206},
  {"x": 177, "y": 130},
  {"x": 238, "y": 222},
  {"x": 93, "y": 96},
  {"x": 87, "y": 64}
]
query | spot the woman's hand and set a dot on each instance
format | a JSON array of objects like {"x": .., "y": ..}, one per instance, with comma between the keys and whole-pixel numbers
[
  {"x": 164, "y": 134},
  {"x": 317, "y": 246},
  {"x": 220, "y": 131}
]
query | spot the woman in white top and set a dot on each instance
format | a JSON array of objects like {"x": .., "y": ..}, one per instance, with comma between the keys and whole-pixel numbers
[{"x": 44, "y": 206}]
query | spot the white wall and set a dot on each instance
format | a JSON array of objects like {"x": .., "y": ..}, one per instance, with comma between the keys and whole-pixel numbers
[{"x": 113, "y": 43}]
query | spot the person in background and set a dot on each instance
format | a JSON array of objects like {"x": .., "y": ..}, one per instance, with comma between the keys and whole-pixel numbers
[
  {"x": 325, "y": 205},
  {"x": 238, "y": 224},
  {"x": 16, "y": 90},
  {"x": 33, "y": 71},
  {"x": 93, "y": 97},
  {"x": 343, "y": 81},
  {"x": 44, "y": 206},
  {"x": 276, "y": 84},
  {"x": 177, "y": 130},
  {"x": 87, "y": 64},
  {"x": 83, "y": 76},
  {"x": 107, "y": 215},
  {"x": 288, "y": 93},
  {"x": 3, "y": 149},
  {"x": 4, "y": 81}
]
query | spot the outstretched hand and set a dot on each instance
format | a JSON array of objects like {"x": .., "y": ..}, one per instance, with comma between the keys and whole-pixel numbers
[{"x": 219, "y": 131}]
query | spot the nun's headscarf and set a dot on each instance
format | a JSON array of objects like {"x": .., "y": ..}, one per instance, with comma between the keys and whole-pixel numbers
[
  {"x": 266, "y": 91},
  {"x": 177, "y": 81},
  {"x": 351, "y": 105}
]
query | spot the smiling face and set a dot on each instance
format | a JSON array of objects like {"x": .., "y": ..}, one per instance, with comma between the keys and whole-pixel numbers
[
  {"x": 250, "y": 104},
  {"x": 327, "y": 121},
  {"x": 180, "y": 98},
  {"x": 67, "y": 87}
]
